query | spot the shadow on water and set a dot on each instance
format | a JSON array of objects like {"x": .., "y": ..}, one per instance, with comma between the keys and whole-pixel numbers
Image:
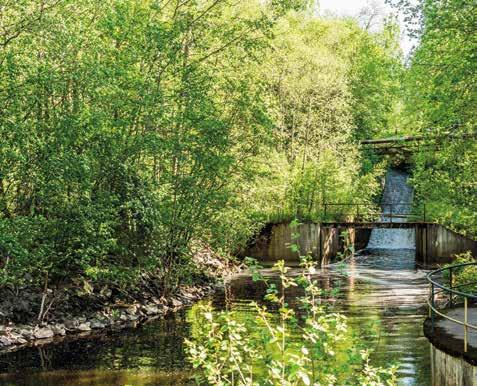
[{"x": 380, "y": 291}]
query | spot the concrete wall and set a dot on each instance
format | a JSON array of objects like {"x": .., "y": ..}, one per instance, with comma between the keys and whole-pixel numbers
[
  {"x": 435, "y": 244},
  {"x": 447, "y": 370},
  {"x": 322, "y": 243}
]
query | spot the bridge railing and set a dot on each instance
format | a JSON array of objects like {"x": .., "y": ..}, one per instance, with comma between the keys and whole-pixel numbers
[
  {"x": 446, "y": 293},
  {"x": 366, "y": 212}
]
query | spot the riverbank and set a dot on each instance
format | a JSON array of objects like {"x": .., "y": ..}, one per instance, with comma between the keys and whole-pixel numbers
[{"x": 74, "y": 310}]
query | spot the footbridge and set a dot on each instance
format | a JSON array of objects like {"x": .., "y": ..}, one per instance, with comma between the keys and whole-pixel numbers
[{"x": 413, "y": 143}]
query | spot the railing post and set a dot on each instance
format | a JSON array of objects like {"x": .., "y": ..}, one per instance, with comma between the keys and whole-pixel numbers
[
  {"x": 432, "y": 306},
  {"x": 450, "y": 286},
  {"x": 465, "y": 324},
  {"x": 391, "y": 212}
]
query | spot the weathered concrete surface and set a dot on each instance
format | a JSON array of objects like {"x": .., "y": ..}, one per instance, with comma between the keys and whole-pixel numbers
[
  {"x": 456, "y": 330},
  {"x": 322, "y": 243},
  {"x": 448, "y": 370},
  {"x": 448, "y": 336},
  {"x": 435, "y": 244}
]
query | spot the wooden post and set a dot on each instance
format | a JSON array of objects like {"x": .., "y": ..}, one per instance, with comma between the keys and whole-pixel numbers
[{"x": 321, "y": 244}]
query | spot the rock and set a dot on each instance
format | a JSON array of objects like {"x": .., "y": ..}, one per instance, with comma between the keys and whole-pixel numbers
[
  {"x": 106, "y": 292},
  {"x": 176, "y": 303},
  {"x": 151, "y": 309},
  {"x": 4, "y": 341},
  {"x": 123, "y": 317},
  {"x": 71, "y": 324},
  {"x": 86, "y": 326},
  {"x": 132, "y": 310},
  {"x": 97, "y": 324},
  {"x": 26, "y": 333},
  {"x": 43, "y": 333},
  {"x": 21, "y": 340},
  {"x": 59, "y": 329}
]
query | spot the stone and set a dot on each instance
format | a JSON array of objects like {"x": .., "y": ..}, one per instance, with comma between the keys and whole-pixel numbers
[
  {"x": 176, "y": 302},
  {"x": 59, "y": 329},
  {"x": 106, "y": 292},
  {"x": 132, "y": 310},
  {"x": 86, "y": 326},
  {"x": 43, "y": 333},
  {"x": 4, "y": 341},
  {"x": 97, "y": 324},
  {"x": 21, "y": 340},
  {"x": 71, "y": 324},
  {"x": 26, "y": 333},
  {"x": 151, "y": 309}
]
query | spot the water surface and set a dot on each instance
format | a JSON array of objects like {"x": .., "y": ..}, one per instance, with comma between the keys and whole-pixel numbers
[{"x": 382, "y": 293}]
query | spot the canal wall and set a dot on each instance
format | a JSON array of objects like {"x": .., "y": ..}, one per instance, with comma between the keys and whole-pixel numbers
[
  {"x": 321, "y": 242},
  {"x": 436, "y": 244},
  {"x": 448, "y": 370}
]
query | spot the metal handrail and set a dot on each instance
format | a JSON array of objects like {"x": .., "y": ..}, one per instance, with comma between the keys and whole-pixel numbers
[
  {"x": 433, "y": 284},
  {"x": 391, "y": 214}
]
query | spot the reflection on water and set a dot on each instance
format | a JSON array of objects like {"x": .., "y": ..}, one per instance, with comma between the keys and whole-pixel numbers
[{"x": 382, "y": 293}]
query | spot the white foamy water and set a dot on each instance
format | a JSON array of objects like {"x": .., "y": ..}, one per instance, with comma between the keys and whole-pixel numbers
[{"x": 397, "y": 197}]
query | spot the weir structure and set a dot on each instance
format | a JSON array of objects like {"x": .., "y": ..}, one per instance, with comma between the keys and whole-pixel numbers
[{"x": 397, "y": 225}]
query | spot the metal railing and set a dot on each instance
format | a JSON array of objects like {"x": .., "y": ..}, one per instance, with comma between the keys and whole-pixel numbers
[
  {"x": 364, "y": 210},
  {"x": 450, "y": 292}
]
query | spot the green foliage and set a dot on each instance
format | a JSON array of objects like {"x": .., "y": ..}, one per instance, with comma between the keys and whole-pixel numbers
[
  {"x": 138, "y": 128},
  {"x": 440, "y": 102},
  {"x": 309, "y": 346},
  {"x": 464, "y": 279}
]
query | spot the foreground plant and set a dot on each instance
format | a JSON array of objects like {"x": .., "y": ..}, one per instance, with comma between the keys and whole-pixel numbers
[{"x": 279, "y": 344}]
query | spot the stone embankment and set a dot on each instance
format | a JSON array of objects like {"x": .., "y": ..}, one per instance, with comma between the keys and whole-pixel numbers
[
  {"x": 116, "y": 315},
  {"x": 74, "y": 315}
]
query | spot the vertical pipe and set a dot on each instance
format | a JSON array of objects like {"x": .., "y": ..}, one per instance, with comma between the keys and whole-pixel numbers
[
  {"x": 450, "y": 286},
  {"x": 465, "y": 324},
  {"x": 432, "y": 306}
]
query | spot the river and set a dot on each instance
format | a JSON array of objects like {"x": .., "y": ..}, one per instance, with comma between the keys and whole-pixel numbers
[{"x": 381, "y": 291}]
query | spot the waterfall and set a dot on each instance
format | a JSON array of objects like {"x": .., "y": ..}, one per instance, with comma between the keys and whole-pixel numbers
[{"x": 397, "y": 197}]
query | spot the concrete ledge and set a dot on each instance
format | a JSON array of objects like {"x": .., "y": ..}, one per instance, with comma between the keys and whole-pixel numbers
[{"x": 448, "y": 343}]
